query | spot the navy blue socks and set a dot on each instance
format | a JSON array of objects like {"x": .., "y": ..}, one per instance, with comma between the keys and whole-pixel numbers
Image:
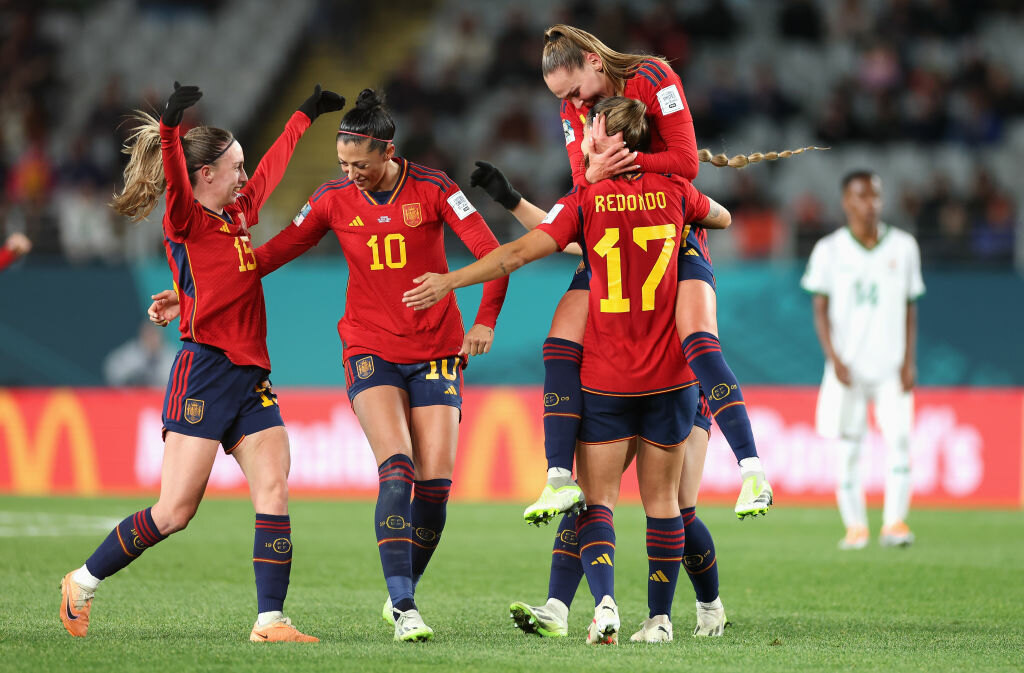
[
  {"x": 596, "y": 534},
  {"x": 563, "y": 401},
  {"x": 393, "y": 525},
  {"x": 272, "y": 560},
  {"x": 665, "y": 539},
  {"x": 699, "y": 557},
  {"x": 124, "y": 544},
  {"x": 429, "y": 510}
]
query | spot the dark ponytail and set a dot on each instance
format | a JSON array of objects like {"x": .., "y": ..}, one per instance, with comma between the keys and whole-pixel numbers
[{"x": 368, "y": 120}]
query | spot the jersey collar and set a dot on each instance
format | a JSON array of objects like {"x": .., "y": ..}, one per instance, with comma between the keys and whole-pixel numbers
[{"x": 402, "y": 176}]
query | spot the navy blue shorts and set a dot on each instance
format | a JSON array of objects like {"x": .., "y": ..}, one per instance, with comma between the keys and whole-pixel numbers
[
  {"x": 427, "y": 383},
  {"x": 580, "y": 279},
  {"x": 692, "y": 267},
  {"x": 663, "y": 419},
  {"x": 702, "y": 419},
  {"x": 209, "y": 396}
]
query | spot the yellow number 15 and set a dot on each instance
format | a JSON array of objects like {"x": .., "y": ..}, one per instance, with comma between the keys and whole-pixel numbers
[{"x": 606, "y": 247}]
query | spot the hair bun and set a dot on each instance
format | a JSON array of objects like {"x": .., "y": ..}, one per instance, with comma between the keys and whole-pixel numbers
[{"x": 369, "y": 100}]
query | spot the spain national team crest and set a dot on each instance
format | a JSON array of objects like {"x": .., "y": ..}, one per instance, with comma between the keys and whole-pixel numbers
[
  {"x": 412, "y": 213},
  {"x": 194, "y": 410},
  {"x": 364, "y": 368}
]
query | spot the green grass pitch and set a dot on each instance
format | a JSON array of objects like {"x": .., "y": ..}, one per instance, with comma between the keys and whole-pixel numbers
[{"x": 953, "y": 601}]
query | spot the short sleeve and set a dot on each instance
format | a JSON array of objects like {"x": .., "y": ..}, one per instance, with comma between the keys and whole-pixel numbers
[
  {"x": 562, "y": 222},
  {"x": 817, "y": 278},
  {"x": 915, "y": 283}
]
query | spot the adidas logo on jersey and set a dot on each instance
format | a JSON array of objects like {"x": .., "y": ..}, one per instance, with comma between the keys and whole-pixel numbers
[
  {"x": 224, "y": 229},
  {"x": 358, "y": 222},
  {"x": 658, "y": 576},
  {"x": 451, "y": 391},
  {"x": 603, "y": 559}
]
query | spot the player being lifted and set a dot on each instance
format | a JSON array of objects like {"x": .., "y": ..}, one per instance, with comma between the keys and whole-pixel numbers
[
  {"x": 866, "y": 278},
  {"x": 635, "y": 380},
  {"x": 551, "y": 619},
  {"x": 403, "y": 368},
  {"x": 218, "y": 391},
  {"x": 581, "y": 70}
]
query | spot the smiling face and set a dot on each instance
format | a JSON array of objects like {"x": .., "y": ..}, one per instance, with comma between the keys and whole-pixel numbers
[
  {"x": 226, "y": 176},
  {"x": 582, "y": 86},
  {"x": 367, "y": 168}
]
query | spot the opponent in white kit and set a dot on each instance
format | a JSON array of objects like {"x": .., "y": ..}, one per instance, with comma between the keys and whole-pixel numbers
[{"x": 865, "y": 278}]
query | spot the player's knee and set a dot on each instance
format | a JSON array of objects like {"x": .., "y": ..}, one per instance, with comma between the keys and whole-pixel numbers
[
  {"x": 272, "y": 498},
  {"x": 174, "y": 519}
]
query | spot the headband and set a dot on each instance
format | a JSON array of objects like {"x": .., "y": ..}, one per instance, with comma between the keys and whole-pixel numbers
[{"x": 363, "y": 135}]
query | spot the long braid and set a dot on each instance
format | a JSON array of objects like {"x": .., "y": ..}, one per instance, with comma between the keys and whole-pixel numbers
[{"x": 741, "y": 160}]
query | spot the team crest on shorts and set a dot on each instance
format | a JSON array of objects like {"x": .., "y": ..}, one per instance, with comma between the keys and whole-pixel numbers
[
  {"x": 194, "y": 410},
  {"x": 412, "y": 213},
  {"x": 364, "y": 368}
]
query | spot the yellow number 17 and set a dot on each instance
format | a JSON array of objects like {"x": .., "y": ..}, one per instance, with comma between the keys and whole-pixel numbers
[{"x": 606, "y": 247}]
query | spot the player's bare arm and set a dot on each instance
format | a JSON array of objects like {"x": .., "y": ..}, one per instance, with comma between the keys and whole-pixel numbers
[
  {"x": 908, "y": 372},
  {"x": 823, "y": 329},
  {"x": 717, "y": 218},
  {"x": 500, "y": 262}
]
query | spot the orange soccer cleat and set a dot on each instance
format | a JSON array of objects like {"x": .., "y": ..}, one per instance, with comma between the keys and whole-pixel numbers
[
  {"x": 280, "y": 631},
  {"x": 896, "y": 535},
  {"x": 75, "y": 604},
  {"x": 856, "y": 538}
]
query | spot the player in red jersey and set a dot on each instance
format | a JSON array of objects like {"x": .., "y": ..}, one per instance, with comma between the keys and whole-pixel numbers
[
  {"x": 635, "y": 380},
  {"x": 219, "y": 391},
  {"x": 581, "y": 70},
  {"x": 402, "y": 368},
  {"x": 16, "y": 245}
]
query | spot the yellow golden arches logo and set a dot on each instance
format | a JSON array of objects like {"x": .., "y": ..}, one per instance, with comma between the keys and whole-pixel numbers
[
  {"x": 503, "y": 418},
  {"x": 32, "y": 462}
]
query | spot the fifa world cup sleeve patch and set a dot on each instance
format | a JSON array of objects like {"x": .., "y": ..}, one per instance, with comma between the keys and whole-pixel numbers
[
  {"x": 553, "y": 213},
  {"x": 570, "y": 134},
  {"x": 301, "y": 215},
  {"x": 670, "y": 100},
  {"x": 461, "y": 205}
]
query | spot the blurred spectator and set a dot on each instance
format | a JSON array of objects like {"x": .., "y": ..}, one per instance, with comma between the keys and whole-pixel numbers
[
  {"x": 849, "y": 21},
  {"x": 714, "y": 22},
  {"x": 145, "y": 360},
  {"x": 17, "y": 245},
  {"x": 809, "y": 222},
  {"x": 801, "y": 20},
  {"x": 771, "y": 101},
  {"x": 760, "y": 231},
  {"x": 993, "y": 232}
]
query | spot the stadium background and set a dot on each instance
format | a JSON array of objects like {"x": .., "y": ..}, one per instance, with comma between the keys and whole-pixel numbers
[{"x": 929, "y": 93}]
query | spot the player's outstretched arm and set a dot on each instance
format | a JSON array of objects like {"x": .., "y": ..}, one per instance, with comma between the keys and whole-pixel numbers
[
  {"x": 489, "y": 177},
  {"x": 500, "y": 262}
]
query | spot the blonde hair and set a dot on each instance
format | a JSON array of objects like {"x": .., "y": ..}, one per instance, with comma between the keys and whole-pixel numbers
[
  {"x": 144, "y": 179},
  {"x": 565, "y": 46},
  {"x": 741, "y": 160},
  {"x": 629, "y": 116}
]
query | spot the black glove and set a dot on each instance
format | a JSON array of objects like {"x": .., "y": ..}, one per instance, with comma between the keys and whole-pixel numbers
[
  {"x": 183, "y": 97},
  {"x": 496, "y": 184},
  {"x": 321, "y": 102}
]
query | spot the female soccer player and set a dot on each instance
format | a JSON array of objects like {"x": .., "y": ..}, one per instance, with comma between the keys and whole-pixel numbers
[
  {"x": 581, "y": 70},
  {"x": 402, "y": 368},
  {"x": 636, "y": 383},
  {"x": 219, "y": 391}
]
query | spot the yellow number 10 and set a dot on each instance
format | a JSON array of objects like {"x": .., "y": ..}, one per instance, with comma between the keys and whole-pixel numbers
[
  {"x": 393, "y": 260},
  {"x": 606, "y": 247}
]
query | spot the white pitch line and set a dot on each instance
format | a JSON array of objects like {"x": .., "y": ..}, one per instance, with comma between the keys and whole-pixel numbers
[{"x": 49, "y": 524}]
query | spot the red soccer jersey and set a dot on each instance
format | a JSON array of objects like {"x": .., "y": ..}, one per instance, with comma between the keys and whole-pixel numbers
[
  {"x": 673, "y": 143},
  {"x": 386, "y": 245},
  {"x": 630, "y": 230},
  {"x": 213, "y": 265}
]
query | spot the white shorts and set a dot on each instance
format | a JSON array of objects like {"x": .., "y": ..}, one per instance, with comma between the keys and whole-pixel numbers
[{"x": 843, "y": 410}]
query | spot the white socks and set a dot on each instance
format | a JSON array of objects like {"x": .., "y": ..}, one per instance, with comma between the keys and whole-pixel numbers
[
  {"x": 265, "y": 618},
  {"x": 750, "y": 466},
  {"x": 84, "y": 578},
  {"x": 897, "y": 481},
  {"x": 555, "y": 472},
  {"x": 849, "y": 487}
]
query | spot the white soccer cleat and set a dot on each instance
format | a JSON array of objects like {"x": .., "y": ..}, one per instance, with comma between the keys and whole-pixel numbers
[
  {"x": 711, "y": 619},
  {"x": 561, "y": 495},
  {"x": 388, "y": 614},
  {"x": 409, "y": 627},
  {"x": 550, "y": 620},
  {"x": 856, "y": 538},
  {"x": 755, "y": 496},
  {"x": 656, "y": 629},
  {"x": 604, "y": 629},
  {"x": 896, "y": 535}
]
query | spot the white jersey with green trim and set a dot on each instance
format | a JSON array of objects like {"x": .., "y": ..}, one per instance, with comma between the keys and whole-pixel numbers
[{"x": 868, "y": 291}]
